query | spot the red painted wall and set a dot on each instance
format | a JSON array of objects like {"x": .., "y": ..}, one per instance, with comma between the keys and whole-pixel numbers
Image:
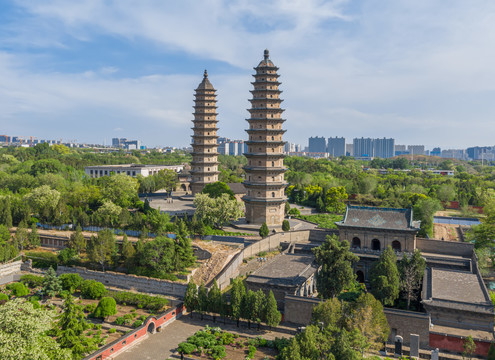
[
  {"x": 454, "y": 343},
  {"x": 133, "y": 336}
]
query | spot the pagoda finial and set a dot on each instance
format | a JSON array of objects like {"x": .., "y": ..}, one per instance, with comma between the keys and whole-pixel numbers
[
  {"x": 267, "y": 54},
  {"x": 206, "y": 73}
]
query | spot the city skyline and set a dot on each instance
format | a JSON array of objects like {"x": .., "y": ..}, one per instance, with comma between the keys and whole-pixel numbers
[{"x": 419, "y": 73}]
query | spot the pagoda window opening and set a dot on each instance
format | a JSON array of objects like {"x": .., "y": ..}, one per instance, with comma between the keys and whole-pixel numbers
[
  {"x": 273, "y": 163},
  {"x": 259, "y": 163},
  {"x": 273, "y": 194}
]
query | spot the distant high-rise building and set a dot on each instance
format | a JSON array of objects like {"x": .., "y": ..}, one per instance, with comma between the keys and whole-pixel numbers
[
  {"x": 384, "y": 148},
  {"x": 317, "y": 144},
  {"x": 264, "y": 182},
  {"x": 416, "y": 149},
  {"x": 336, "y": 146},
  {"x": 363, "y": 147},
  {"x": 459, "y": 154},
  {"x": 349, "y": 149},
  {"x": 204, "y": 164},
  {"x": 400, "y": 148},
  {"x": 436, "y": 152}
]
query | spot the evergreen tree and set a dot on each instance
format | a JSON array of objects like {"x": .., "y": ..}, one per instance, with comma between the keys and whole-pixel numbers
[
  {"x": 384, "y": 277},
  {"x": 33, "y": 237},
  {"x": 77, "y": 241},
  {"x": 411, "y": 271},
  {"x": 70, "y": 330},
  {"x": 469, "y": 347},
  {"x": 225, "y": 309},
  {"x": 101, "y": 248},
  {"x": 51, "y": 283},
  {"x": 107, "y": 307},
  {"x": 202, "y": 299},
  {"x": 248, "y": 304},
  {"x": 258, "y": 307},
  {"x": 272, "y": 315},
  {"x": 184, "y": 254},
  {"x": 291, "y": 351},
  {"x": 264, "y": 230},
  {"x": 191, "y": 297},
  {"x": 491, "y": 352},
  {"x": 336, "y": 272},
  {"x": 6, "y": 213},
  {"x": 214, "y": 300},
  {"x": 237, "y": 293},
  {"x": 285, "y": 225}
]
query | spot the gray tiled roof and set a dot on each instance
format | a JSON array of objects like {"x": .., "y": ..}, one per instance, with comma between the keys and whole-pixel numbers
[
  {"x": 286, "y": 270},
  {"x": 379, "y": 218},
  {"x": 237, "y": 188}
]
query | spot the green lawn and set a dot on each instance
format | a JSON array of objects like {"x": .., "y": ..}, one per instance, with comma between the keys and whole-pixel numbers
[{"x": 325, "y": 221}]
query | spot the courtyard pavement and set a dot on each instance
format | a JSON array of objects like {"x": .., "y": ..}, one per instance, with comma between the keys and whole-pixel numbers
[{"x": 162, "y": 345}]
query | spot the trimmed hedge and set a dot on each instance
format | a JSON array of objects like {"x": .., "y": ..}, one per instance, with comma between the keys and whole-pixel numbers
[
  {"x": 92, "y": 289},
  {"x": 152, "y": 303}
]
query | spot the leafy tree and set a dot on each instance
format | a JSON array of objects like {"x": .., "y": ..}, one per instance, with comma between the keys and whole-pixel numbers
[
  {"x": 202, "y": 299},
  {"x": 191, "y": 297},
  {"x": 214, "y": 300},
  {"x": 77, "y": 241},
  {"x": 24, "y": 333},
  {"x": 292, "y": 351},
  {"x": 101, "y": 248},
  {"x": 166, "y": 179},
  {"x": 70, "y": 330},
  {"x": 217, "y": 189},
  {"x": 120, "y": 189},
  {"x": 128, "y": 251},
  {"x": 411, "y": 271},
  {"x": 335, "y": 198},
  {"x": 285, "y": 225},
  {"x": 335, "y": 260},
  {"x": 34, "y": 237},
  {"x": 264, "y": 230},
  {"x": 158, "y": 255},
  {"x": 469, "y": 347},
  {"x": 6, "y": 212},
  {"x": 106, "y": 308},
  {"x": 384, "y": 277},
  {"x": 272, "y": 315},
  {"x": 43, "y": 200},
  {"x": 108, "y": 213},
  {"x": 330, "y": 313},
  {"x": 92, "y": 289},
  {"x": 424, "y": 210},
  {"x": 70, "y": 282},
  {"x": 217, "y": 212},
  {"x": 21, "y": 236},
  {"x": 51, "y": 283},
  {"x": 4, "y": 235}
]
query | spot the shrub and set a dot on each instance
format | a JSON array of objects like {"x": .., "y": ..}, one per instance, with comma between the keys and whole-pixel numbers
[
  {"x": 251, "y": 352},
  {"x": 3, "y": 297},
  {"x": 32, "y": 281},
  {"x": 112, "y": 330},
  {"x": 285, "y": 225},
  {"x": 153, "y": 303},
  {"x": 43, "y": 259},
  {"x": 262, "y": 253},
  {"x": 106, "y": 307},
  {"x": 186, "y": 348},
  {"x": 71, "y": 282},
  {"x": 18, "y": 289},
  {"x": 124, "y": 320},
  {"x": 137, "y": 323},
  {"x": 92, "y": 289},
  {"x": 227, "y": 338},
  {"x": 218, "y": 352},
  {"x": 264, "y": 231},
  {"x": 90, "y": 308}
]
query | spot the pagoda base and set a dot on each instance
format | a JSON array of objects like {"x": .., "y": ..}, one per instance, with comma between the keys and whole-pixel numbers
[{"x": 259, "y": 213}]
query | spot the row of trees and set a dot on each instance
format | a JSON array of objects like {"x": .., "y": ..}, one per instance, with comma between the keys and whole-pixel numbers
[{"x": 250, "y": 306}]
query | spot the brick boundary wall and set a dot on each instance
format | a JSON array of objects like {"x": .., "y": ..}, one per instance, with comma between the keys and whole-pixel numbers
[
  {"x": 455, "y": 343},
  {"x": 128, "y": 281},
  {"x": 445, "y": 247},
  {"x": 136, "y": 335}
]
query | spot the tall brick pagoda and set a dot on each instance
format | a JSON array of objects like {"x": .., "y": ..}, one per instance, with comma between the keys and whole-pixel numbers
[
  {"x": 204, "y": 165},
  {"x": 265, "y": 198}
]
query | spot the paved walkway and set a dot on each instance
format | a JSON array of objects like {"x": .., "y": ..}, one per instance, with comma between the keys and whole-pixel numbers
[{"x": 163, "y": 344}]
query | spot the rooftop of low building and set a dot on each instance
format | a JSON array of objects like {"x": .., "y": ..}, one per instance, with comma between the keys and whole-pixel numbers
[{"x": 379, "y": 218}]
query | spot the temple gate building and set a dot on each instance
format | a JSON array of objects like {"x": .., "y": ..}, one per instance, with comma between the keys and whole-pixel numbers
[
  {"x": 204, "y": 164},
  {"x": 265, "y": 198}
]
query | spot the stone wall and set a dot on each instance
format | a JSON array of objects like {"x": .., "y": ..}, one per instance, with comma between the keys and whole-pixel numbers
[
  {"x": 124, "y": 281},
  {"x": 10, "y": 268},
  {"x": 404, "y": 323},
  {"x": 445, "y": 247},
  {"x": 298, "y": 309}
]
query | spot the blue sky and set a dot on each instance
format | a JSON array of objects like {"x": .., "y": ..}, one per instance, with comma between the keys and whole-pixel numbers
[{"x": 421, "y": 71}]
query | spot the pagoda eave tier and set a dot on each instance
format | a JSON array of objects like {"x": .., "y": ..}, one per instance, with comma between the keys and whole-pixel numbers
[
  {"x": 197, "y": 172},
  {"x": 267, "y": 131},
  {"x": 266, "y": 66},
  {"x": 266, "y": 109},
  {"x": 261, "y": 142},
  {"x": 276, "y": 156},
  {"x": 270, "y": 120},
  {"x": 266, "y": 90},
  {"x": 204, "y": 114},
  {"x": 265, "y": 169},
  {"x": 205, "y": 121},
  {"x": 199, "y": 91},
  {"x": 205, "y": 153},
  {"x": 265, "y": 75},
  {"x": 271, "y": 100},
  {"x": 204, "y": 129},
  {"x": 264, "y": 200},
  {"x": 265, "y": 185},
  {"x": 202, "y": 136},
  {"x": 204, "y": 163},
  {"x": 205, "y": 107},
  {"x": 257, "y": 82}
]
